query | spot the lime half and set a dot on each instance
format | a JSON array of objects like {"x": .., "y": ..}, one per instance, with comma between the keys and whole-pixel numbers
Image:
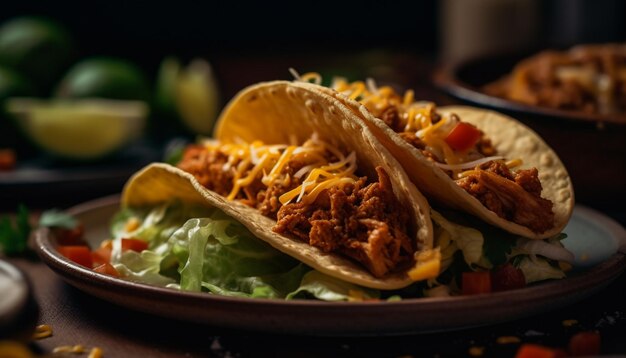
[
  {"x": 191, "y": 93},
  {"x": 80, "y": 129}
]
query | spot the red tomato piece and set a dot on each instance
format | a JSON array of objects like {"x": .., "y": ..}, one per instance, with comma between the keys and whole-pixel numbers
[
  {"x": 70, "y": 237},
  {"x": 107, "y": 269},
  {"x": 79, "y": 254},
  {"x": 134, "y": 245},
  {"x": 529, "y": 350},
  {"x": 7, "y": 159},
  {"x": 101, "y": 255},
  {"x": 585, "y": 344},
  {"x": 474, "y": 283},
  {"x": 507, "y": 277},
  {"x": 462, "y": 137}
]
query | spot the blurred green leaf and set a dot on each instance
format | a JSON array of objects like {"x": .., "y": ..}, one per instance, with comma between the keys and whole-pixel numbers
[
  {"x": 14, "y": 234},
  {"x": 56, "y": 218}
]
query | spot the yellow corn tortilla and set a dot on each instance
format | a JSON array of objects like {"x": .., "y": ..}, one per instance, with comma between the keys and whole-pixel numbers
[
  {"x": 511, "y": 140},
  {"x": 282, "y": 112}
]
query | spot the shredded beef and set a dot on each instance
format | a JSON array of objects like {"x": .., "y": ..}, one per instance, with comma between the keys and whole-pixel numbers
[
  {"x": 267, "y": 198},
  {"x": 364, "y": 222},
  {"x": 512, "y": 196},
  {"x": 208, "y": 168},
  {"x": 391, "y": 117},
  {"x": 416, "y": 142}
]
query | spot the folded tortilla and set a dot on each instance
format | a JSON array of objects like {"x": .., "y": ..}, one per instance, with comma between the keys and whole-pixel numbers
[
  {"x": 509, "y": 137},
  {"x": 283, "y": 112}
]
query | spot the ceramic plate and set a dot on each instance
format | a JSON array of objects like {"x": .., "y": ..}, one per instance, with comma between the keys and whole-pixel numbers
[
  {"x": 464, "y": 80},
  {"x": 596, "y": 266}
]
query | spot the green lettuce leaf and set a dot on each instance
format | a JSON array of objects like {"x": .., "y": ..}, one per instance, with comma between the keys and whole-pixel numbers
[
  {"x": 468, "y": 240},
  {"x": 212, "y": 252},
  {"x": 539, "y": 269},
  {"x": 328, "y": 288}
]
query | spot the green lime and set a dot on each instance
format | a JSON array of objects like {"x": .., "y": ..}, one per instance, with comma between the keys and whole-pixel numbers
[
  {"x": 82, "y": 129},
  {"x": 190, "y": 94},
  {"x": 104, "y": 77},
  {"x": 37, "y": 47}
]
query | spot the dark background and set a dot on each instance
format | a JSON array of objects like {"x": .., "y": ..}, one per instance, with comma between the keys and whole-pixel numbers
[
  {"x": 393, "y": 42},
  {"x": 148, "y": 30}
]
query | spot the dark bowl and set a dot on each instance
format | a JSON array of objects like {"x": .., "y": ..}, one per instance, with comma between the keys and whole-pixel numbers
[{"x": 592, "y": 147}]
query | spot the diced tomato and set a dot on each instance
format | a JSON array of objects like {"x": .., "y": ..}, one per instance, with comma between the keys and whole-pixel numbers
[
  {"x": 101, "y": 255},
  {"x": 462, "y": 137},
  {"x": 474, "y": 283},
  {"x": 134, "y": 245},
  {"x": 507, "y": 277},
  {"x": 585, "y": 344},
  {"x": 72, "y": 237},
  {"x": 107, "y": 269},
  {"x": 529, "y": 350},
  {"x": 7, "y": 159},
  {"x": 79, "y": 254}
]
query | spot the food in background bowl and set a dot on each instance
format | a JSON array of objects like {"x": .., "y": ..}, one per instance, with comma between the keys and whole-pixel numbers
[{"x": 586, "y": 78}]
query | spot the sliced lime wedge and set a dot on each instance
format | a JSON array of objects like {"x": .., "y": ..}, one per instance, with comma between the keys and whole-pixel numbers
[
  {"x": 190, "y": 93},
  {"x": 81, "y": 128}
]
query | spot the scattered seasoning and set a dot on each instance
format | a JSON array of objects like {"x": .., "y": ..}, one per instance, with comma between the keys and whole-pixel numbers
[
  {"x": 533, "y": 333},
  {"x": 507, "y": 340},
  {"x": 78, "y": 349},
  {"x": 96, "y": 352},
  {"x": 569, "y": 322},
  {"x": 476, "y": 351},
  {"x": 42, "y": 331}
]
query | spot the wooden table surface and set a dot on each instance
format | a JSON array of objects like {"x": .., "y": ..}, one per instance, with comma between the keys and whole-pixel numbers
[{"x": 78, "y": 318}]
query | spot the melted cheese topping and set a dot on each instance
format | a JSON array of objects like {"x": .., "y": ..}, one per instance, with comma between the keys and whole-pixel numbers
[{"x": 250, "y": 161}]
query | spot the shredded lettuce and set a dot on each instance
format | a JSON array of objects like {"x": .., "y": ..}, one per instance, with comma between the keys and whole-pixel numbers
[
  {"x": 468, "y": 240},
  {"x": 204, "y": 250},
  {"x": 538, "y": 269},
  {"x": 484, "y": 247},
  {"x": 328, "y": 288}
]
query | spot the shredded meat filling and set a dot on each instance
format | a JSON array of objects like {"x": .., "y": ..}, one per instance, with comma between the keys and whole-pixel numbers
[
  {"x": 208, "y": 168},
  {"x": 362, "y": 221},
  {"x": 512, "y": 196}
]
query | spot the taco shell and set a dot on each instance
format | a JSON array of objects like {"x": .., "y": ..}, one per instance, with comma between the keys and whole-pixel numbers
[
  {"x": 283, "y": 112},
  {"x": 510, "y": 138}
]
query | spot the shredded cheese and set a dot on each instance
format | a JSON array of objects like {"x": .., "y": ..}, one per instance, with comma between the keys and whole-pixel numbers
[
  {"x": 417, "y": 117},
  {"x": 256, "y": 160}
]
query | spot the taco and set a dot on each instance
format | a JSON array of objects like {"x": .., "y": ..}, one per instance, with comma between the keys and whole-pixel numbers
[
  {"x": 474, "y": 160},
  {"x": 300, "y": 169},
  {"x": 303, "y": 174}
]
